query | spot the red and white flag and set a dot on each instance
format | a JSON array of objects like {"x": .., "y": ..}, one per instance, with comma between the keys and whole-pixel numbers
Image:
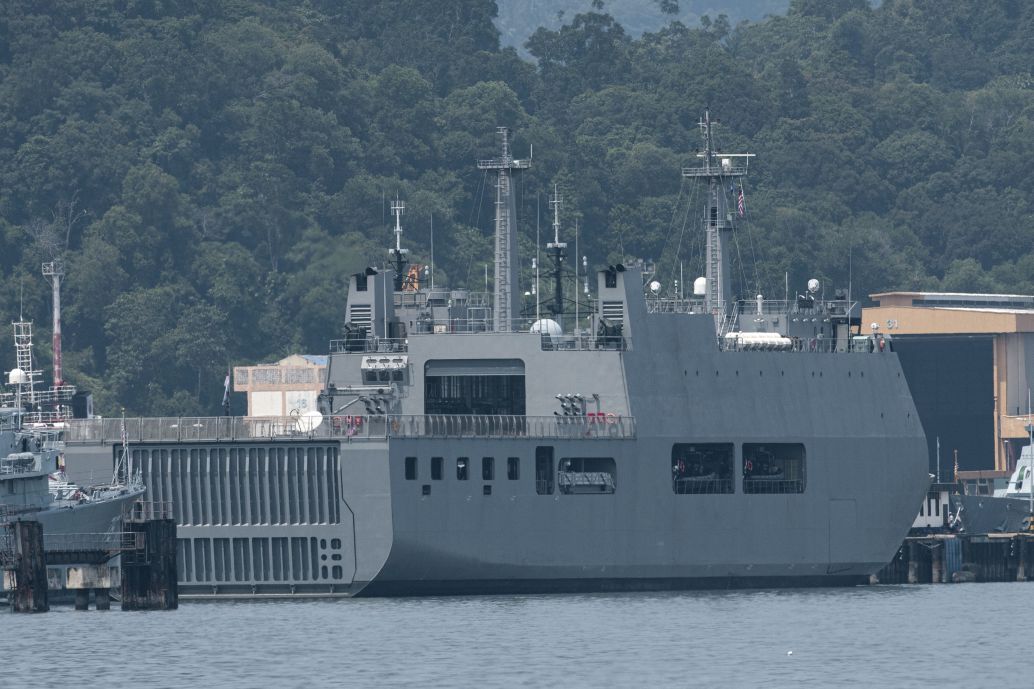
[{"x": 740, "y": 205}]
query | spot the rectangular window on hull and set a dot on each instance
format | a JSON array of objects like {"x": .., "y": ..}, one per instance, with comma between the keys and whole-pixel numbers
[
  {"x": 544, "y": 470},
  {"x": 437, "y": 464},
  {"x": 411, "y": 468},
  {"x": 513, "y": 468},
  {"x": 701, "y": 468},
  {"x": 462, "y": 468},
  {"x": 773, "y": 468},
  {"x": 587, "y": 475},
  {"x": 488, "y": 468}
]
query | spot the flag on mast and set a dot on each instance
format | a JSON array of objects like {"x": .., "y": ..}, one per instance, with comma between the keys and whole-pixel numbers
[
  {"x": 226, "y": 393},
  {"x": 740, "y": 205}
]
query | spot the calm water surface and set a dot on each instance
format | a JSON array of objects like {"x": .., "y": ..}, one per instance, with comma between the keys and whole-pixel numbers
[{"x": 974, "y": 635}]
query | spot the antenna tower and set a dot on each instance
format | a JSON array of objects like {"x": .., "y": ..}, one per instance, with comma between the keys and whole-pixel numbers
[
  {"x": 506, "y": 297},
  {"x": 557, "y": 250},
  {"x": 717, "y": 169},
  {"x": 398, "y": 254}
]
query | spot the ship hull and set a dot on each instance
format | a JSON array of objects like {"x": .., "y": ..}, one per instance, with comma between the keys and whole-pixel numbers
[
  {"x": 345, "y": 515},
  {"x": 89, "y": 517}
]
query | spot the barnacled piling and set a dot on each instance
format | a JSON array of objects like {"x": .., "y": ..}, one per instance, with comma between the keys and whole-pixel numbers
[
  {"x": 149, "y": 568},
  {"x": 29, "y": 570}
]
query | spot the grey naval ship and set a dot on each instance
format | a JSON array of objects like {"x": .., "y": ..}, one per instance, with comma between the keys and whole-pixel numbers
[{"x": 647, "y": 441}]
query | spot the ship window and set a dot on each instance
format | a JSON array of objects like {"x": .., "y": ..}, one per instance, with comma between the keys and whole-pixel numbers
[
  {"x": 462, "y": 468},
  {"x": 513, "y": 468},
  {"x": 701, "y": 468},
  {"x": 337, "y": 572},
  {"x": 425, "y": 489},
  {"x": 360, "y": 282},
  {"x": 544, "y": 470},
  {"x": 773, "y": 468},
  {"x": 437, "y": 464},
  {"x": 488, "y": 468},
  {"x": 335, "y": 543},
  {"x": 610, "y": 279},
  {"x": 411, "y": 468},
  {"x": 587, "y": 475},
  {"x": 487, "y": 490}
]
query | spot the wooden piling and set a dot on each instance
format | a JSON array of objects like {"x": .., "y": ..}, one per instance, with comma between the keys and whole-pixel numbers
[
  {"x": 29, "y": 592},
  {"x": 149, "y": 570}
]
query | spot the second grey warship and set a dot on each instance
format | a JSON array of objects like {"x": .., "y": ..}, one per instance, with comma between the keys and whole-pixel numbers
[{"x": 649, "y": 442}]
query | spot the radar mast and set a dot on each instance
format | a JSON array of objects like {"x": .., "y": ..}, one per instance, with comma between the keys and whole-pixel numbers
[
  {"x": 505, "y": 299},
  {"x": 717, "y": 169},
  {"x": 557, "y": 251},
  {"x": 398, "y": 254}
]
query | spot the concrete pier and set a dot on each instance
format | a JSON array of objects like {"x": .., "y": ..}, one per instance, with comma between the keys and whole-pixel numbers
[
  {"x": 913, "y": 563},
  {"x": 937, "y": 564},
  {"x": 26, "y": 576},
  {"x": 960, "y": 558},
  {"x": 103, "y": 598},
  {"x": 86, "y": 578},
  {"x": 1021, "y": 568},
  {"x": 149, "y": 569},
  {"x": 82, "y": 599}
]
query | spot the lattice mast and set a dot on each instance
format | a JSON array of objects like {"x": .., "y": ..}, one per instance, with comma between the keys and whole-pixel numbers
[
  {"x": 23, "y": 359},
  {"x": 557, "y": 251},
  {"x": 718, "y": 169},
  {"x": 506, "y": 297},
  {"x": 398, "y": 254},
  {"x": 54, "y": 271}
]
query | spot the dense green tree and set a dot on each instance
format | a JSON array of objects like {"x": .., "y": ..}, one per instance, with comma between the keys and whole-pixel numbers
[{"x": 235, "y": 161}]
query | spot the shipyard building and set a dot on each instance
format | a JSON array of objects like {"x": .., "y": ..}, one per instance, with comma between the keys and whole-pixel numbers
[{"x": 969, "y": 361}]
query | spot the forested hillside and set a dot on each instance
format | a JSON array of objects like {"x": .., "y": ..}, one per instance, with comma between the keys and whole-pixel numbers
[
  {"x": 213, "y": 171},
  {"x": 518, "y": 19}
]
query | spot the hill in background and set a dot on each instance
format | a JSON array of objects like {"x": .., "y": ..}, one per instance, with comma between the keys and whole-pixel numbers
[{"x": 213, "y": 171}]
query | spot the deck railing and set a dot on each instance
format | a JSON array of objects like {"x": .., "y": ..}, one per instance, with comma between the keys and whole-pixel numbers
[{"x": 348, "y": 428}]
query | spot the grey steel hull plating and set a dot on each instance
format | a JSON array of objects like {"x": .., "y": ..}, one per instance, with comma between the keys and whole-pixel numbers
[{"x": 339, "y": 517}]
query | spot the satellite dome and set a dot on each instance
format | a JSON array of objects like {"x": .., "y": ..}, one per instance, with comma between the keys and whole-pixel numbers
[
  {"x": 700, "y": 286},
  {"x": 547, "y": 326},
  {"x": 655, "y": 287},
  {"x": 16, "y": 376},
  {"x": 813, "y": 285}
]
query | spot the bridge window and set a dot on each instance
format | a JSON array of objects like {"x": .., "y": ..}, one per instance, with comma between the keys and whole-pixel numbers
[
  {"x": 590, "y": 475},
  {"x": 773, "y": 468},
  {"x": 488, "y": 468},
  {"x": 544, "y": 470},
  {"x": 513, "y": 468},
  {"x": 462, "y": 468},
  {"x": 701, "y": 468},
  {"x": 411, "y": 468},
  {"x": 437, "y": 464}
]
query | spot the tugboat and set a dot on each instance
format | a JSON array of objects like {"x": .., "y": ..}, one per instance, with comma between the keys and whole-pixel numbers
[{"x": 636, "y": 442}]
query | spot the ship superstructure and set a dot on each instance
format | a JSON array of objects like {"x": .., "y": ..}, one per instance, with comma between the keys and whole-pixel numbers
[{"x": 671, "y": 442}]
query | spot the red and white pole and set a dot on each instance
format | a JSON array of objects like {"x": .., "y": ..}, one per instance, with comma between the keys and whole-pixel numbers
[{"x": 56, "y": 278}]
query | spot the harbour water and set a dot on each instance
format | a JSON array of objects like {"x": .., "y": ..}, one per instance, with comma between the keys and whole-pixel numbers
[{"x": 885, "y": 636}]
